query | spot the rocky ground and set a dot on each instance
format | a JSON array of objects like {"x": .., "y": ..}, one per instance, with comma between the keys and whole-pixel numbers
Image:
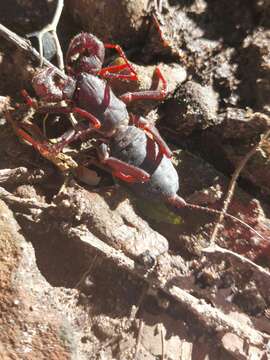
[{"x": 90, "y": 271}]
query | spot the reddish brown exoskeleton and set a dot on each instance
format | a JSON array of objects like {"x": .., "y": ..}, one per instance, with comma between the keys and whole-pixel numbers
[
  {"x": 132, "y": 148},
  {"x": 89, "y": 96}
]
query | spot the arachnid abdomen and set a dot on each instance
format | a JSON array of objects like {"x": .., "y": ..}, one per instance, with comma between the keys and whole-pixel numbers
[{"x": 136, "y": 148}]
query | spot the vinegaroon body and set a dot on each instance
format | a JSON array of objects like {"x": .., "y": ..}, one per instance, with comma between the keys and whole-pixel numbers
[
  {"x": 89, "y": 96},
  {"x": 133, "y": 149}
]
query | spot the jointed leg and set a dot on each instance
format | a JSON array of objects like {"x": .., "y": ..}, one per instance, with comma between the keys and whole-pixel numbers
[
  {"x": 69, "y": 136},
  {"x": 45, "y": 146},
  {"x": 120, "y": 169},
  {"x": 61, "y": 109},
  {"x": 158, "y": 94},
  {"x": 78, "y": 130},
  {"x": 28, "y": 99},
  {"x": 30, "y": 133},
  {"x": 34, "y": 136},
  {"x": 70, "y": 109},
  {"x": 110, "y": 71},
  {"x": 150, "y": 128}
]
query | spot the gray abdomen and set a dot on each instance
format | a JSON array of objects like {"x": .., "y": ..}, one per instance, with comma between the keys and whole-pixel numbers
[{"x": 135, "y": 147}]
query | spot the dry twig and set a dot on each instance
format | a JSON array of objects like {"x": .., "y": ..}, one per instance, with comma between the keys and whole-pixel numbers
[
  {"x": 22, "y": 175},
  {"x": 161, "y": 328},
  {"x": 232, "y": 184},
  {"x": 51, "y": 28},
  {"x": 27, "y": 48},
  {"x": 22, "y": 202},
  {"x": 86, "y": 273},
  {"x": 239, "y": 261},
  {"x": 138, "y": 341}
]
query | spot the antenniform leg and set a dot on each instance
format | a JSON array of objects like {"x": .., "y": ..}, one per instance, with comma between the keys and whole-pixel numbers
[
  {"x": 158, "y": 94},
  {"x": 120, "y": 169},
  {"x": 150, "y": 128}
]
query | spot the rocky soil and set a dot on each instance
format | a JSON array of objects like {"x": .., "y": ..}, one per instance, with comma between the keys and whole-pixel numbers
[{"x": 90, "y": 271}]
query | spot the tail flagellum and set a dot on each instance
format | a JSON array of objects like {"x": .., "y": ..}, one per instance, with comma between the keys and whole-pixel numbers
[{"x": 178, "y": 202}]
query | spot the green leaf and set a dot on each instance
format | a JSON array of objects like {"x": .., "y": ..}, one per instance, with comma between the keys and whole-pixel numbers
[{"x": 157, "y": 211}]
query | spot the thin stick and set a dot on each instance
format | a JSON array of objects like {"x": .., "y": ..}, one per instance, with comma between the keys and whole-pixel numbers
[
  {"x": 232, "y": 184},
  {"x": 225, "y": 214},
  {"x": 161, "y": 328},
  {"x": 86, "y": 273},
  {"x": 138, "y": 341},
  {"x": 21, "y": 175},
  {"x": 26, "y": 47},
  {"x": 51, "y": 28},
  {"x": 259, "y": 274},
  {"x": 13, "y": 200},
  {"x": 136, "y": 308},
  {"x": 158, "y": 6}
]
